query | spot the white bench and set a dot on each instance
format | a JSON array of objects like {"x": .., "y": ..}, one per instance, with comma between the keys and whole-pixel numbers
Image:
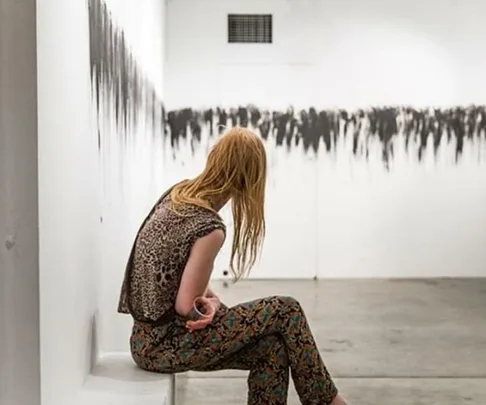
[{"x": 116, "y": 380}]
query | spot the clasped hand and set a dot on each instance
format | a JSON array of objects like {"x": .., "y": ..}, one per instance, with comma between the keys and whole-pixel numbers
[{"x": 210, "y": 306}]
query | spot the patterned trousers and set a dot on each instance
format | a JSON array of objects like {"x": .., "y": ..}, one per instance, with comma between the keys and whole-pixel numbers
[{"x": 269, "y": 337}]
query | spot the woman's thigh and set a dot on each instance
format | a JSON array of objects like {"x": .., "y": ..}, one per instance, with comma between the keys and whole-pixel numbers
[
  {"x": 234, "y": 329},
  {"x": 253, "y": 354}
]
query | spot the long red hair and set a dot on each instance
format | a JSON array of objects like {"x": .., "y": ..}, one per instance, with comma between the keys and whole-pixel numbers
[{"x": 236, "y": 168}]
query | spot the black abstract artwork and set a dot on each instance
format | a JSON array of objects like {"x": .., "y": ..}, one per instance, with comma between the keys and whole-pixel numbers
[
  {"x": 119, "y": 85},
  {"x": 312, "y": 129},
  {"x": 121, "y": 88}
]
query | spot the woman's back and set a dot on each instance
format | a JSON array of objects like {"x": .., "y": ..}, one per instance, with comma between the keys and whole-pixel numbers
[{"x": 160, "y": 254}]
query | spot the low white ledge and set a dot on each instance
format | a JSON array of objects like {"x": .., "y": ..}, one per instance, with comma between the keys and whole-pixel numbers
[{"x": 116, "y": 380}]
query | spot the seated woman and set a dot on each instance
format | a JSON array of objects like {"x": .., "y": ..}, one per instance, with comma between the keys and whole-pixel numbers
[{"x": 170, "y": 266}]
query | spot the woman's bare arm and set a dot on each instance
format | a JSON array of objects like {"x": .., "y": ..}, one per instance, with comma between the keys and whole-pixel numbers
[{"x": 197, "y": 272}]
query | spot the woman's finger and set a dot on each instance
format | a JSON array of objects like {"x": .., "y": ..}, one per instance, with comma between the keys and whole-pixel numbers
[
  {"x": 198, "y": 324},
  {"x": 191, "y": 324},
  {"x": 209, "y": 308}
]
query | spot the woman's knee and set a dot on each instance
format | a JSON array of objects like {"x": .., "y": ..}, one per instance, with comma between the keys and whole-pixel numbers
[{"x": 289, "y": 302}]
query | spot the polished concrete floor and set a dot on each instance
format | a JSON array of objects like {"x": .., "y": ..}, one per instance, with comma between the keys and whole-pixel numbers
[{"x": 386, "y": 342}]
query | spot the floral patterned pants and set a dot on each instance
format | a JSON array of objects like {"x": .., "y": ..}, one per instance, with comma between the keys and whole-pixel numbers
[{"x": 269, "y": 337}]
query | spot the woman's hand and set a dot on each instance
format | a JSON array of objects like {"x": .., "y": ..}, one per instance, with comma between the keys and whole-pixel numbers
[
  {"x": 216, "y": 303},
  {"x": 210, "y": 307},
  {"x": 216, "y": 300},
  {"x": 210, "y": 293}
]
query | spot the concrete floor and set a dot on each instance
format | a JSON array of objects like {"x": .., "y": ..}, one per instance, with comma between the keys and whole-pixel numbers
[{"x": 390, "y": 342}]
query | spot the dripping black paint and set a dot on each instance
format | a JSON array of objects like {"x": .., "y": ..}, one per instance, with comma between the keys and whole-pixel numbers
[
  {"x": 117, "y": 79},
  {"x": 310, "y": 127}
]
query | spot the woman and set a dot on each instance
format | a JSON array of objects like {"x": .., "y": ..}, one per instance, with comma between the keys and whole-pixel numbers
[{"x": 170, "y": 266}]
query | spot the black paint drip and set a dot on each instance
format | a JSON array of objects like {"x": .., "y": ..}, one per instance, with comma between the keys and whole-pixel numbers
[
  {"x": 117, "y": 79},
  {"x": 311, "y": 127}
]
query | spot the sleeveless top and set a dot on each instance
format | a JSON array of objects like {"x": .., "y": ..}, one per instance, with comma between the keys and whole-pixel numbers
[{"x": 158, "y": 258}]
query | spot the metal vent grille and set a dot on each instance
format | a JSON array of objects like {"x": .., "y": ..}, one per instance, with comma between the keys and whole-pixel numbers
[{"x": 250, "y": 28}]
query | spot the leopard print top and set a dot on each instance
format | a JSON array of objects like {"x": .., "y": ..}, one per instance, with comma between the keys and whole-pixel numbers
[{"x": 159, "y": 256}]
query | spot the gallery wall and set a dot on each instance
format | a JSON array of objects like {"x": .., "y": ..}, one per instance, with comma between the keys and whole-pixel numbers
[
  {"x": 368, "y": 181},
  {"x": 127, "y": 67},
  {"x": 69, "y": 204}
]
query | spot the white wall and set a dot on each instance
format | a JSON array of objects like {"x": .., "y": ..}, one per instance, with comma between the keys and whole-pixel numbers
[
  {"x": 134, "y": 170},
  {"x": 68, "y": 200},
  {"x": 336, "y": 215},
  {"x": 19, "y": 254},
  {"x": 353, "y": 53}
]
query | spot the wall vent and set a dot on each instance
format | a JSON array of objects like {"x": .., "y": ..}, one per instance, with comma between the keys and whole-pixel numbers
[{"x": 250, "y": 29}]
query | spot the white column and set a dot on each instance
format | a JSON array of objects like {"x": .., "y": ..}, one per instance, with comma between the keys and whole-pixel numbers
[{"x": 19, "y": 258}]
